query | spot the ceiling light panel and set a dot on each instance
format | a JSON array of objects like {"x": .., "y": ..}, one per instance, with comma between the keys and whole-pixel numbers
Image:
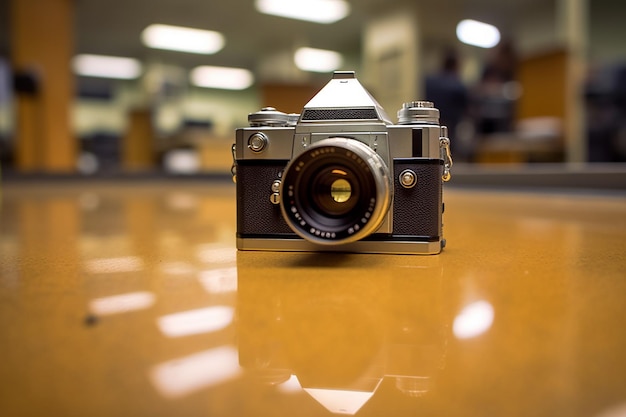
[
  {"x": 319, "y": 11},
  {"x": 182, "y": 39},
  {"x": 106, "y": 66},
  {"x": 317, "y": 60},
  {"x": 473, "y": 32},
  {"x": 221, "y": 77}
]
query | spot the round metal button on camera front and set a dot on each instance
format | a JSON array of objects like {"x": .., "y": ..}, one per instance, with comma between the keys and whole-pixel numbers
[
  {"x": 275, "y": 198},
  {"x": 257, "y": 142},
  {"x": 408, "y": 178}
]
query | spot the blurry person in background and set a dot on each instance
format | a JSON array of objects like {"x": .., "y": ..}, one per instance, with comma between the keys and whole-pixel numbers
[
  {"x": 450, "y": 96},
  {"x": 605, "y": 95},
  {"x": 495, "y": 95}
]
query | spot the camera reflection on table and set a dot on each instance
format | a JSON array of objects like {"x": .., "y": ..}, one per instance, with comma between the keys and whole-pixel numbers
[{"x": 338, "y": 325}]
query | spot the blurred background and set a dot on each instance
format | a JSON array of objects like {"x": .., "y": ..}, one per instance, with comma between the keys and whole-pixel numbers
[{"x": 96, "y": 87}]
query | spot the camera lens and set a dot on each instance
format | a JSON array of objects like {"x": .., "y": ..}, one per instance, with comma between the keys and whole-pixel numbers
[{"x": 337, "y": 191}]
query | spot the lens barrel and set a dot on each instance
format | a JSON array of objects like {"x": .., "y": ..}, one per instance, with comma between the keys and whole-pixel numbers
[{"x": 337, "y": 191}]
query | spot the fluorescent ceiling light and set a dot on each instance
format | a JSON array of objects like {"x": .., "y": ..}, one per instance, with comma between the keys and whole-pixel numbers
[
  {"x": 477, "y": 33},
  {"x": 319, "y": 11},
  {"x": 317, "y": 60},
  {"x": 221, "y": 77},
  {"x": 177, "y": 38},
  {"x": 106, "y": 66}
]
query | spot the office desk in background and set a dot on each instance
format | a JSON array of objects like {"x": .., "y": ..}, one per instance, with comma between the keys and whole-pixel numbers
[{"x": 129, "y": 299}]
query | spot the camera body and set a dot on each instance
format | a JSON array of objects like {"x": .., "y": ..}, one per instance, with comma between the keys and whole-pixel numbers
[{"x": 341, "y": 176}]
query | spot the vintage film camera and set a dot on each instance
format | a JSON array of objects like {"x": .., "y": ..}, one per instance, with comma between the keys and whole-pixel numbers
[{"x": 341, "y": 176}]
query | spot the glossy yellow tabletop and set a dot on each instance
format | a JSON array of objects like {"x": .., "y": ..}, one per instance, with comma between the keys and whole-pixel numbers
[{"x": 131, "y": 300}]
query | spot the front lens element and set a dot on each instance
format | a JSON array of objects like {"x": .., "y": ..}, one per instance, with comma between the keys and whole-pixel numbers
[
  {"x": 337, "y": 191},
  {"x": 331, "y": 191},
  {"x": 340, "y": 190}
]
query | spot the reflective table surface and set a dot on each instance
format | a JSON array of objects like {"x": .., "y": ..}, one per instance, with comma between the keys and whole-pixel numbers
[{"x": 131, "y": 300}]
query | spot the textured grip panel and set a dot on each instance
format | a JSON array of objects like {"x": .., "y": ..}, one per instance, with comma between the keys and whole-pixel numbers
[
  {"x": 417, "y": 210},
  {"x": 256, "y": 215}
]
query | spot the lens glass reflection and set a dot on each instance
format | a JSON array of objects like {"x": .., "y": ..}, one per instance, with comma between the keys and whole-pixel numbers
[
  {"x": 333, "y": 192},
  {"x": 340, "y": 190}
]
